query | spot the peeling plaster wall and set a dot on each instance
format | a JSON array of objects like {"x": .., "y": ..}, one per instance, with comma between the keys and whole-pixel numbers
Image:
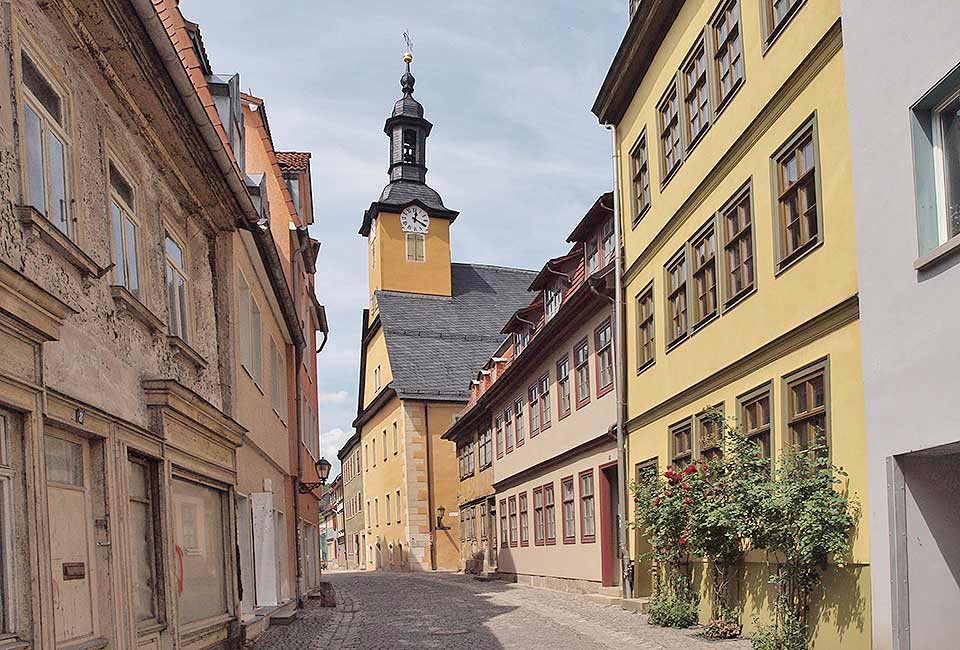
[{"x": 103, "y": 355}]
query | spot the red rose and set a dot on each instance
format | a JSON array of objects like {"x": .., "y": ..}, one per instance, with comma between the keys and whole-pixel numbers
[
  {"x": 683, "y": 540},
  {"x": 656, "y": 501},
  {"x": 687, "y": 500},
  {"x": 685, "y": 486},
  {"x": 690, "y": 469}
]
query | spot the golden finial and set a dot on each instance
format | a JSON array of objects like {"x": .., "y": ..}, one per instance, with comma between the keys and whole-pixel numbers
[{"x": 407, "y": 57}]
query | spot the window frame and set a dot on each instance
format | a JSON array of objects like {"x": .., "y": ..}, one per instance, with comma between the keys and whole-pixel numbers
[
  {"x": 745, "y": 400},
  {"x": 641, "y": 188},
  {"x": 688, "y": 455},
  {"x": 543, "y": 401},
  {"x": 583, "y": 344},
  {"x": 504, "y": 525},
  {"x": 667, "y": 173},
  {"x": 784, "y": 261},
  {"x": 726, "y": 239},
  {"x": 819, "y": 367},
  {"x": 940, "y": 168},
  {"x": 705, "y": 232},
  {"x": 127, "y": 212},
  {"x": 61, "y": 129},
  {"x": 718, "y": 17},
  {"x": 150, "y": 469},
  {"x": 500, "y": 441},
  {"x": 569, "y": 536},
  {"x": 416, "y": 237},
  {"x": 772, "y": 29},
  {"x": 516, "y": 412},
  {"x": 563, "y": 387},
  {"x": 523, "y": 517},
  {"x": 689, "y": 140},
  {"x": 539, "y": 521},
  {"x": 644, "y": 321},
  {"x": 186, "y": 318},
  {"x": 485, "y": 448},
  {"x": 548, "y": 540},
  {"x": 701, "y": 425},
  {"x": 598, "y": 355},
  {"x": 592, "y": 496},
  {"x": 680, "y": 291},
  {"x": 533, "y": 410},
  {"x": 514, "y": 521}
]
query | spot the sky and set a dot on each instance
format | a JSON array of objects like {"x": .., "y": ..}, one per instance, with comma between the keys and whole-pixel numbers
[{"x": 508, "y": 87}]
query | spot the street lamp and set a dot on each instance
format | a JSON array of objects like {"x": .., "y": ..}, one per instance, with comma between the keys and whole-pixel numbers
[
  {"x": 440, "y": 511},
  {"x": 323, "y": 471}
]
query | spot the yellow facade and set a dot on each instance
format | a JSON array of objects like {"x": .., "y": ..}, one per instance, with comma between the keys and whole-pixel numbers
[
  {"x": 797, "y": 314},
  {"x": 389, "y": 266}
]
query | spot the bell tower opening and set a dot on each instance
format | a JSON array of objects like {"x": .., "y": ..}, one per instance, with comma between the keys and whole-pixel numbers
[{"x": 409, "y": 146}]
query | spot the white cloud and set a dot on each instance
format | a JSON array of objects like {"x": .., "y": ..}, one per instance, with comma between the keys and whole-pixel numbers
[{"x": 335, "y": 397}]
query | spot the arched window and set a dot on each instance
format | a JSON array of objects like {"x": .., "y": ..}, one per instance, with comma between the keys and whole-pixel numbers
[{"x": 409, "y": 154}]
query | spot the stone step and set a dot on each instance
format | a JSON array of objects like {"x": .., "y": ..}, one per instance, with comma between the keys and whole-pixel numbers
[{"x": 638, "y": 605}]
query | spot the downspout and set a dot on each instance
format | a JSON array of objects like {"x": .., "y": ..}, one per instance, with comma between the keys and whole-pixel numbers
[
  {"x": 298, "y": 356},
  {"x": 430, "y": 520},
  {"x": 619, "y": 373}
]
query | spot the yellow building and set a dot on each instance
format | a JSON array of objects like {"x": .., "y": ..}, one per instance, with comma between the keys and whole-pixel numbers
[
  {"x": 740, "y": 280},
  {"x": 430, "y": 324}
]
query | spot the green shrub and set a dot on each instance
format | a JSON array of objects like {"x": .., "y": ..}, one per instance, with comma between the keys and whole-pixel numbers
[
  {"x": 722, "y": 629},
  {"x": 670, "y": 610},
  {"x": 789, "y": 634}
]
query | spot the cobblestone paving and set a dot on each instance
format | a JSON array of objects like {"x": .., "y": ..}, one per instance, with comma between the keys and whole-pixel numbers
[{"x": 403, "y": 611}]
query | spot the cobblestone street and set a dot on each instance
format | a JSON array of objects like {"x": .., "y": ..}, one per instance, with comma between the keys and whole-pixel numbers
[{"x": 387, "y": 611}]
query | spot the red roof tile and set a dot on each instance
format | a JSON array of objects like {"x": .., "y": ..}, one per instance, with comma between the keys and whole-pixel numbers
[{"x": 297, "y": 161}]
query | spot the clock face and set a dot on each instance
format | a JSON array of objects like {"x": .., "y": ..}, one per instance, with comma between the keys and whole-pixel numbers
[{"x": 414, "y": 219}]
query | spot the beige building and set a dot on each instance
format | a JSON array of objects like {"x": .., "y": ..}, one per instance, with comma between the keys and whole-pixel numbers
[
  {"x": 538, "y": 474},
  {"x": 354, "y": 526}
]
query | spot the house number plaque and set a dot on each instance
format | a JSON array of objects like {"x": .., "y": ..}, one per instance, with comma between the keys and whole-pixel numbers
[{"x": 74, "y": 571}]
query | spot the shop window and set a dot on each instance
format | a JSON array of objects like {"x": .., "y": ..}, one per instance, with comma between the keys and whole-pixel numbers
[
  {"x": 200, "y": 566},
  {"x": 142, "y": 513}
]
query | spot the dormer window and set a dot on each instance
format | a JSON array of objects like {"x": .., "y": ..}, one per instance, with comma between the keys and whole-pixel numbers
[
  {"x": 226, "y": 99},
  {"x": 409, "y": 154},
  {"x": 521, "y": 340},
  {"x": 293, "y": 186},
  {"x": 607, "y": 242},
  {"x": 593, "y": 255},
  {"x": 553, "y": 296}
]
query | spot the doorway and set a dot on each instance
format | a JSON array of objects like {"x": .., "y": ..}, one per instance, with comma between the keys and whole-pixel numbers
[
  {"x": 609, "y": 526},
  {"x": 245, "y": 548},
  {"x": 72, "y": 549},
  {"x": 642, "y": 575}
]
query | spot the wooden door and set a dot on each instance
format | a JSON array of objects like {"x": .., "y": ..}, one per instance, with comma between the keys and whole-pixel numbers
[{"x": 70, "y": 512}]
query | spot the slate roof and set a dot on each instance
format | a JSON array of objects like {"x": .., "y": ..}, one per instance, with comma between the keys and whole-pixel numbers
[{"x": 436, "y": 343}]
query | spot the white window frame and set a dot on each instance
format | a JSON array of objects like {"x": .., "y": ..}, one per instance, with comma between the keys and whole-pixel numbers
[
  {"x": 414, "y": 237},
  {"x": 943, "y": 219},
  {"x": 127, "y": 212},
  {"x": 8, "y": 534},
  {"x": 553, "y": 298},
  {"x": 182, "y": 318}
]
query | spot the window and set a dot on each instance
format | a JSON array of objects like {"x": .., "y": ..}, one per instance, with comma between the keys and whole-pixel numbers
[
  {"x": 486, "y": 448},
  {"x": 946, "y": 127},
  {"x": 518, "y": 419},
  {"x": 483, "y": 520},
  {"x": 588, "y": 529},
  {"x": 508, "y": 427},
  {"x": 807, "y": 408},
  {"x": 466, "y": 459},
  {"x": 640, "y": 165},
  {"x": 256, "y": 346},
  {"x": 681, "y": 443},
  {"x": 373, "y": 448},
  {"x": 366, "y": 453},
  {"x": 696, "y": 96},
  {"x": 46, "y": 147},
  {"x": 199, "y": 526},
  {"x": 376, "y": 512},
  {"x": 409, "y": 152},
  {"x": 608, "y": 244},
  {"x": 549, "y": 514},
  {"x": 278, "y": 380},
  {"x": 581, "y": 362},
  {"x": 177, "y": 300},
  {"x": 710, "y": 435},
  {"x": 538, "y": 524},
  {"x": 754, "y": 419},
  {"x": 398, "y": 506},
  {"x": 593, "y": 255},
  {"x": 798, "y": 220},
  {"x": 563, "y": 387},
  {"x": 669, "y": 119},
  {"x": 514, "y": 536},
  {"x": 552, "y": 298},
  {"x": 376, "y": 378},
  {"x": 704, "y": 262},
  {"x": 396, "y": 439},
  {"x": 677, "y": 297},
  {"x": 507, "y": 436},
  {"x": 384, "y": 445},
  {"x": 604, "y": 341},
  {"x": 388, "y": 511},
  {"x": 736, "y": 219},
  {"x": 569, "y": 511},
  {"x": 778, "y": 12},
  {"x": 499, "y": 439},
  {"x": 728, "y": 50},
  {"x": 544, "y": 394},
  {"x": 524, "y": 520},
  {"x": 534, "y": 410},
  {"x": 416, "y": 247},
  {"x": 646, "y": 349},
  {"x": 126, "y": 272},
  {"x": 504, "y": 539}
]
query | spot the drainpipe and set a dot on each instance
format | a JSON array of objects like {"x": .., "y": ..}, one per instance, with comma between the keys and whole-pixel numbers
[
  {"x": 619, "y": 365},
  {"x": 298, "y": 356},
  {"x": 430, "y": 516}
]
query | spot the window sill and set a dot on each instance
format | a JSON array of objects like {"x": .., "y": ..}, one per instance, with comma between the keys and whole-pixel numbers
[
  {"x": 200, "y": 627},
  {"x": 736, "y": 299},
  {"x": 588, "y": 540},
  {"x": 669, "y": 175},
  {"x": 637, "y": 219},
  {"x": 781, "y": 27},
  {"x": 38, "y": 225},
  {"x": 87, "y": 644},
  {"x": 723, "y": 103},
  {"x": 797, "y": 255},
  {"x": 563, "y": 414},
  {"x": 604, "y": 390},
  {"x": 14, "y": 643},
  {"x": 581, "y": 404},
  {"x": 697, "y": 138},
  {"x": 703, "y": 322},
  {"x": 569, "y": 540},
  {"x": 645, "y": 366},
  {"x": 672, "y": 345},
  {"x": 129, "y": 303},
  {"x": 938, "y": 255},
  {"x": 183, "y": 350}
]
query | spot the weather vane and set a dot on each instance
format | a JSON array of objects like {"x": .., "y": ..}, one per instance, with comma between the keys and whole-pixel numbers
[{"x": 408, "y": 55}]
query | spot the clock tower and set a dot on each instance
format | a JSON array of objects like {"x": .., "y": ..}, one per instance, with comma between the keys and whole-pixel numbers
[{"x": 408, "y": 227}]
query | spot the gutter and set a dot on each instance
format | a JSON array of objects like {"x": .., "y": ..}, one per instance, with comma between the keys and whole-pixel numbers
[{"x": 619, "y": 361}]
